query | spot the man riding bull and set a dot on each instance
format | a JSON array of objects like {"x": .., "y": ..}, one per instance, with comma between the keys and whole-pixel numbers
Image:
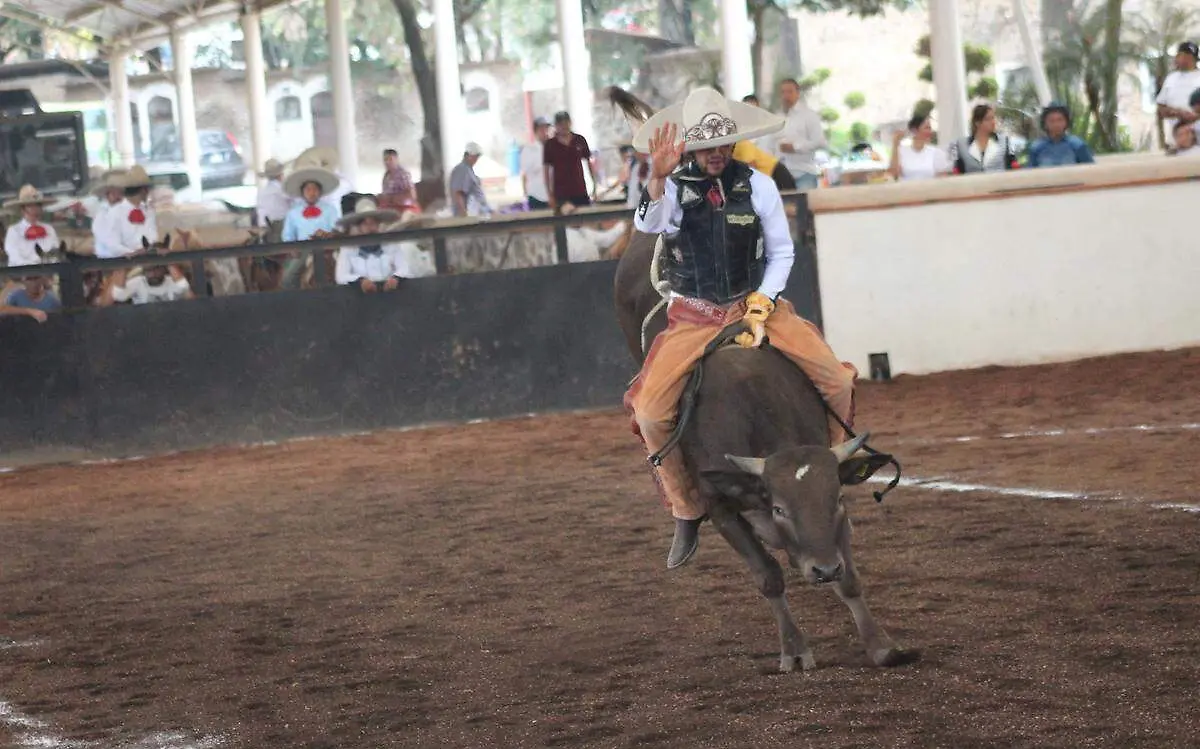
[{"x": 731, "y": 257}]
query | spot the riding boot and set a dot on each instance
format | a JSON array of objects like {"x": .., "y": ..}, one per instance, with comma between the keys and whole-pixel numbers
[{"x": 685, "y": 543}]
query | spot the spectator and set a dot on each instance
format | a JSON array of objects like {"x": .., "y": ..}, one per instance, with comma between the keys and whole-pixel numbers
[
  {"x": 374, "y": 266},
  {"x": 36, "y": 314},
  {"x": 984, "y": 150},
  {"x": 25, "y": 238},
  {"x": 533, "y": 173},
  {"x": 313, "y": 216},
  {"x": 35, "y": 293},
  {"x": 398, "y": 190},
  {"x": 273, "y": 203},
  {"x": 1174, "y": 98},
  {"x": 153, "y": 286},
  {"x": 465, "y": 188},
  {"x": 133, "y": 223},
  {"x": 1058, "y": 147},
  {"x": 564, "y": 156},
  {"x": 110, "y": 191},
  {"x": 801, "y": 136},
  {"x": 1184, "y": 137},
  {"x": 919, "y": 158},
  {"x": 1194, "y": 103}
]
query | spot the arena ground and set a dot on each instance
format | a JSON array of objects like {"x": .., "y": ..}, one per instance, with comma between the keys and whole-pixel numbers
[{"x": 502, "y": 585}]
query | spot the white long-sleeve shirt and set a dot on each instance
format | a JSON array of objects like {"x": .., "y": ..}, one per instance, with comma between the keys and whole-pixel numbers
[
  {"x": 802, "y": 128},
  {"x": 273, "y": 203},
  {"x": 665, "y": 214},
  {"x": 402, "y": 260},
  {"x": 22, "y": 251},
  {"x": 141, "y": 292},
  {"x": 120, "y": 232}
]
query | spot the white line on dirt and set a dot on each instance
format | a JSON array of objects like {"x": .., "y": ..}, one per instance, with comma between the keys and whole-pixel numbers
[
  {"x": 7, "y": 644},
  {"x": 1194, "y": 509},
  {"x": 31, "y": 733},
  {"x": 1045, "y": 433},
  {"x": 941, "y": 484}
]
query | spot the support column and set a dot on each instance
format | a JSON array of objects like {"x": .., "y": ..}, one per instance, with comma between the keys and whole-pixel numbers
[
  {"x": 737, "y": 64},
  {"x": 576, "y": 64},
  {"x": 341, "y": 87},
  {"x": 949, "y": 69},
  {"x": 118, "y": 83},
  {"x": 1033, "y": 54},
  {"x": 185, "y": 107},
  {"x": 451, "y": 109},
  {"x": 256, "y": 89}
]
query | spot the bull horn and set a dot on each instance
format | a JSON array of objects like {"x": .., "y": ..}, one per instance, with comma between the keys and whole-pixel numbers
[
  {"x": 843, "y": 451},
  {"x": 752, "y": 466}
]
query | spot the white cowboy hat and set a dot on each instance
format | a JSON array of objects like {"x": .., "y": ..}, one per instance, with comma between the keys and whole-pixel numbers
[
  {"x": 706, "y": 119},
  {"x": 366, "y": 208},
  {"x": 136, "y": 177},
  {"x": 28, "y": 195},
  {"x": 273, "y": 169},
  {"x": 297, "y": 179}
]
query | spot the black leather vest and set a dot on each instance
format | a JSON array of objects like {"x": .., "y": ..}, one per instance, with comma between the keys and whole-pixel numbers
[{"x": 717, "y": 255}]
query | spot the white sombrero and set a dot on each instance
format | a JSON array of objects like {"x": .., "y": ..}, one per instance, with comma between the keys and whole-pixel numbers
[
  {"x": 297, "y": 179},
  {"x": 273, "y": 169},
  {"x": 367, "y": 208},
  {"x": 28, "y": 195},
  {"x": 136, "y": 177},
  {"x": 111, "y": 180},
  {"x": 706, "y": 119}
]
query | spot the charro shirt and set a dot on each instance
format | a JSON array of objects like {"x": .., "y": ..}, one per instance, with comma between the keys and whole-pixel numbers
[
  {"x": 23, "y": 238},
  {"x": 665, "y": 214},
  {"x": 298, "y": 227},
  {"x": 379, "y": 262},
  {"x": 121, "y": 229}
]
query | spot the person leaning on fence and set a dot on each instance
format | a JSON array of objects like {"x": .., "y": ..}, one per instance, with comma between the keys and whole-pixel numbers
[
  {"x": 24, "y": 238},
  {"x": 157, "y": 283},
  {"x": 312, "y": 217},
  {"x": 984, "y": 150},
  {"x": 1058, "y": 147},
  {"x": 370, "y": 264}
]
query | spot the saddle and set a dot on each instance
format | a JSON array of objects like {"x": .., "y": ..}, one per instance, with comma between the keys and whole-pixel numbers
[{"x": 691, "y": 392}]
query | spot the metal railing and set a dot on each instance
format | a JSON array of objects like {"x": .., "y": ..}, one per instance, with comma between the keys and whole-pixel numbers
[{"x": 70, "y": 272}]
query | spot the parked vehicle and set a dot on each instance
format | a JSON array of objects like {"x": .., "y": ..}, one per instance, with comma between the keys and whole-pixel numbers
[{"x": 221, "y": 163}]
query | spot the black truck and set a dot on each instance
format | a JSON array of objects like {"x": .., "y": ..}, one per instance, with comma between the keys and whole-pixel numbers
[{"x": 43, "y": 149}]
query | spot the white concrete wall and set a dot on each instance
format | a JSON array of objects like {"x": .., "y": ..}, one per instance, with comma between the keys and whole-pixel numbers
[{"x": 956, "y": 276}]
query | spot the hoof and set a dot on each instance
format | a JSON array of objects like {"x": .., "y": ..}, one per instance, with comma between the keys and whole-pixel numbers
[
  {"x": 787, "y": 663},
  {"x": 894, "y": 656}
]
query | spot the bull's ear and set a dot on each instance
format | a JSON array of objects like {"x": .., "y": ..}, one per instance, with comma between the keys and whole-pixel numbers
[
  {"x": 861, "y": 467},
  {"x": 742, "y": 489},
  {"x": 145, "y": 244}
]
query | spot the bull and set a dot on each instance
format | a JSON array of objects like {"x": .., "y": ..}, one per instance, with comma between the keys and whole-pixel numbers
[{"x": 757, "y": 448}]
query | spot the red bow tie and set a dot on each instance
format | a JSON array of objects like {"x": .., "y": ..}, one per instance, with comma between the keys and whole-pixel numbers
[
  {"x": 36, "y": 231},
  {"x": 136, "y": 216},
  {"x": 312, "y": 211},
  {"x": 714, "y": 196}
]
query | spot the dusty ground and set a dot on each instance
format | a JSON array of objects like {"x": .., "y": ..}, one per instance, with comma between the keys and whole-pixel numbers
[{"x": 501, "y": 585}]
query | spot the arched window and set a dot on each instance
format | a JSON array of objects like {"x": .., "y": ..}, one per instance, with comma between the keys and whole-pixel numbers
[
  {"x": 478, "y": 100},
  {"x": 287, "y": 109}
]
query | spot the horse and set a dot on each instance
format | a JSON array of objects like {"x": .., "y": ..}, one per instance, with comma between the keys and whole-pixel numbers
[{"x": 757, "y": 448}]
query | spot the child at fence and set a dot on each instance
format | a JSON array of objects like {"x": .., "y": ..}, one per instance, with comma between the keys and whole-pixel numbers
[{"x": 313, "y": 217}]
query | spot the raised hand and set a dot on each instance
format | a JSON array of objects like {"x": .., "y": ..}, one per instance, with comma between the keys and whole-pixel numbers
[{"x": 666, "y": 150}]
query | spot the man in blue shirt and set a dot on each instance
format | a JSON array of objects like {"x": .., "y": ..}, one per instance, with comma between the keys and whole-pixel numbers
[
  {"x": 1058, "y": 147},
  {"x": 35, "y": 294}
]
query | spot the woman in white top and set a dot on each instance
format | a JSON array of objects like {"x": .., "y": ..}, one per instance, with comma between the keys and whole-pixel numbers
[{"x": 919, "y": 158}]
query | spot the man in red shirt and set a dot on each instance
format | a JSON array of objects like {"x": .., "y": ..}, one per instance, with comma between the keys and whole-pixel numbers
[{"x": 564, "y": 156}]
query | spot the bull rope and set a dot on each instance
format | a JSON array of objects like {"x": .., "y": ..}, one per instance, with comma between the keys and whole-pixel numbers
[{"x": 661, "y": 286}]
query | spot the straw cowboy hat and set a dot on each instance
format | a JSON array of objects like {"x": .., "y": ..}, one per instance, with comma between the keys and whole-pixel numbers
[
  {"x": 295, "y": 181},
  {"x": 366, "y": 208},
  {"x": 28, "y": 195},
  {"x": 273, "y": 169},
  {"x": 113, "y": 179},
  {"x": 706, "y": 119},
  {"x": 136, "y": 177}
]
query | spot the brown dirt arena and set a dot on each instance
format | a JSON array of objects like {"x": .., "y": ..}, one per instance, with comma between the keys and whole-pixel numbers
[{"x": 502, "y": 585}]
